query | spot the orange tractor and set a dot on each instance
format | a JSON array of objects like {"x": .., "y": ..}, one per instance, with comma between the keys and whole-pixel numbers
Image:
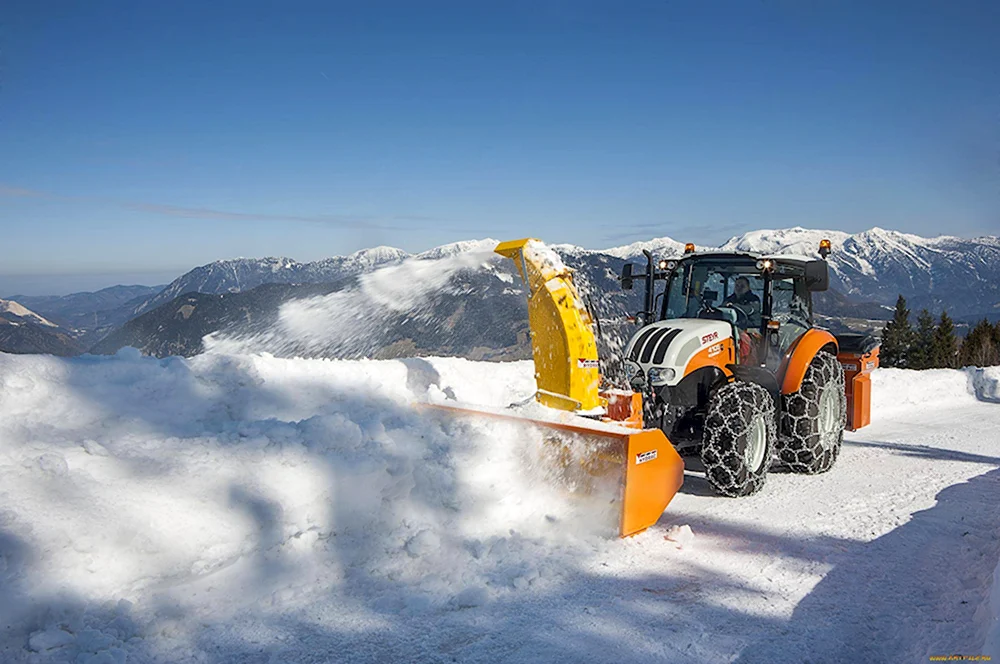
[{"x": 733, "y": 368}]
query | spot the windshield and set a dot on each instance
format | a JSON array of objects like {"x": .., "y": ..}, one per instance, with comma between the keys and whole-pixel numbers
[{"x": 719, "y": 289}]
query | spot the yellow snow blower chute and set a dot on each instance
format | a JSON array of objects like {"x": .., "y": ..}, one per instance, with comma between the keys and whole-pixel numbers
[{"x": 595, "y": 434}]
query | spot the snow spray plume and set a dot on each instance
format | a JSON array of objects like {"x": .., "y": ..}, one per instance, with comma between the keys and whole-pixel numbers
[
  {"x": 357, "y": 321},
  {"x": 608, "y": 330}
]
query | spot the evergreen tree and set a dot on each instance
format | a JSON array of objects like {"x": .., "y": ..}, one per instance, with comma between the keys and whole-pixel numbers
[
  {"x": 981, "y": 347},
  {"x": 923, "y": 342},
  {"x": 944, "y": 350},
  {"x": 897, "y": 337}
]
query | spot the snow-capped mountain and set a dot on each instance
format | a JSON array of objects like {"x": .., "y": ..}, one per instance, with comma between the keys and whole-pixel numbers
[
  {"x": 245, "y": 296},
  {"x": 802, "y": 241},
  {"x": 957, "y": 274},
  {"x": 873, "y": 266},
  {"x": 455, "y": 248},
  {"x": 359, "y": 262},
  {"x": 242, "y": 274},
  {"x": 452, "y": 305},
  {"x": 961, "y": 275},
  {"x": 662, "y": 246}
]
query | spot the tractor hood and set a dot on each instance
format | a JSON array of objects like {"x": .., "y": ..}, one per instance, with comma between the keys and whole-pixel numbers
[{"x": 669, "y": 347}]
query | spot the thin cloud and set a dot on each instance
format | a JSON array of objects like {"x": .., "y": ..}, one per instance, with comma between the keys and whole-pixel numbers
[
  {"x": 226, "y": 215},
  {"x": 17, "y": 192},
  {"x": 179, "y": 211}
]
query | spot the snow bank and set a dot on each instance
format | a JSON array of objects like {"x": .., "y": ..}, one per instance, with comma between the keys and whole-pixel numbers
[
  {"x": 143, "y": 499},
  {"x": 896, "y": 390},
  {"x": 151, "y": 482},
  {"x": 899, "y": 390},
  {"x": 985, "y": 383}
]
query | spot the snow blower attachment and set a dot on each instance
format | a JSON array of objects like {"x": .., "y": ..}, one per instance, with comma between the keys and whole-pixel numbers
[
  {"x": 635, "y": 472},
  {"x": 562, "y": 341},
  {"x": 592, "y": 439}
]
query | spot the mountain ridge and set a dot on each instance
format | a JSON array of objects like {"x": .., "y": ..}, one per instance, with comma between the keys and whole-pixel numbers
[
  {"x": 25, "y": 332},
  {"x": 11, "y": 309},
  {"x": 868, "y": 270},
  {"x": 874, "y": 265}
]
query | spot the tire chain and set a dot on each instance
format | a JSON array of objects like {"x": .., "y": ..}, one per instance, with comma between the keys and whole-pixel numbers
[
  {"x": 801, "y": 447},
  {"x": 731, "y": 411}
]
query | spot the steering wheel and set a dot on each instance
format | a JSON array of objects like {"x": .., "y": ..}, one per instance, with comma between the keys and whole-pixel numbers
[{"x": 742, "y": 317}]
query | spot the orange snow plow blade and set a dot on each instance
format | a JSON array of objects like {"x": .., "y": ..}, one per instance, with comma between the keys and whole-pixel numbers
[{"x": 638, "y": 467}]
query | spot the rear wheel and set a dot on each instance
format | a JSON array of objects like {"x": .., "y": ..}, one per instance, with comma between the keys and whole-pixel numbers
[
  {"x": 738, "y": 440},
  {"x": 813, "y": 420}
]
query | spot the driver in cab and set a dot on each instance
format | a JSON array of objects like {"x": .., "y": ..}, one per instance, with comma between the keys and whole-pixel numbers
[{"x": 745, "y": 300}]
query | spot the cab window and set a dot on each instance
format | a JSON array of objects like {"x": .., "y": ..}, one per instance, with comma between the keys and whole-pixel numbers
[{"x": 790, "y": 308}]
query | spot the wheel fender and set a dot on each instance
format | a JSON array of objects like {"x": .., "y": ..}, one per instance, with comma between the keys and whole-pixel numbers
[{"x": 800, "y": 356}]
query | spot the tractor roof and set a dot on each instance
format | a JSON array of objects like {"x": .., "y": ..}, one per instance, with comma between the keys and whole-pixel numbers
[{"x": 796, "y": 259}]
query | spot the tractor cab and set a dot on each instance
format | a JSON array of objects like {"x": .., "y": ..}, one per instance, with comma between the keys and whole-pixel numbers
[{"x": 767, "y": 301}]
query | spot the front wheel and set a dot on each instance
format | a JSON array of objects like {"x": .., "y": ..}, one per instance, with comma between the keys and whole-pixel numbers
[
  {"x": 739, "y": 434},
  {"x": 813, "y": 420}
]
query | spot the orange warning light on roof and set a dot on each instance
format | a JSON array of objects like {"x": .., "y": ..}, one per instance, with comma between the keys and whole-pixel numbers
[
  {"x": 689, "y": 248},
  {"x": 824, "y": 248}
]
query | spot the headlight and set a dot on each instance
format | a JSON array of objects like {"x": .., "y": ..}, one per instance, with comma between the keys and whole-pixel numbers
[
  {"x": 659, "y": 376},
  {"x": 631, "y": 369}
]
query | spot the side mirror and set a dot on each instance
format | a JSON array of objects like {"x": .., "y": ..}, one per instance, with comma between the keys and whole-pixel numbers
[
  {"x": 627, "y": 276},
  {"x": 817, "y": 276}
]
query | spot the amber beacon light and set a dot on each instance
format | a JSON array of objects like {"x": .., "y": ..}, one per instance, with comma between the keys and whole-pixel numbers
[{"x": 824, "y": 248}]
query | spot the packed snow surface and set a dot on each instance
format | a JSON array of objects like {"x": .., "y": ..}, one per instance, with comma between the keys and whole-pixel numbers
[
  {"x": 992, "y": 646},
  {"x": 240, "y": 508}
]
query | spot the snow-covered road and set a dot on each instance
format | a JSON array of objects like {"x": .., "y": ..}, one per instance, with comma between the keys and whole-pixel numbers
[{"x": 232, "y": 508}]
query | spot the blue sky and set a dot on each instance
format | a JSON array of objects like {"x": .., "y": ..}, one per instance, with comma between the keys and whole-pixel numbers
[{"x": 140, "y": 139}]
